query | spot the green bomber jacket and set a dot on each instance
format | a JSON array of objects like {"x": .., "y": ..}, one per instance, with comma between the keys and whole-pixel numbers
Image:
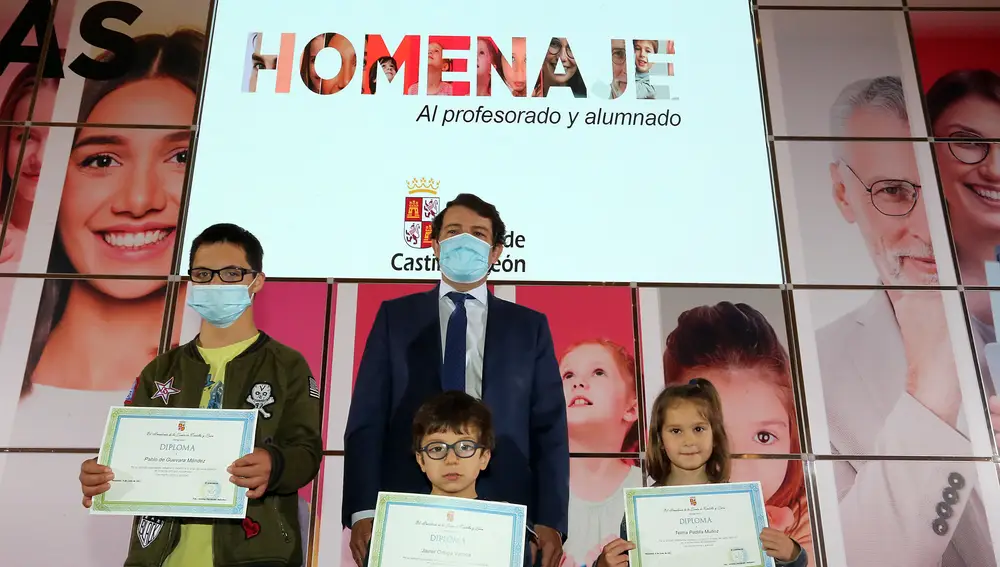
[{"x": 276, "y": 380}]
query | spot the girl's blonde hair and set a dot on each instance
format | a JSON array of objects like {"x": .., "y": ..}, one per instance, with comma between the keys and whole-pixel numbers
[{"x": 702, "y": 393}]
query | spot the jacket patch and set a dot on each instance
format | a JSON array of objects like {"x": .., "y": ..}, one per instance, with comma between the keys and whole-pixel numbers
[
  {"x": 313, "y": 388},
  {"x": 260, "y": 397},
  {"x": 165, "y": 389},
  {"x": 251, "y": 527},
  {"x": 148, "y": 529},
  {"x": 131, "y": 393}
]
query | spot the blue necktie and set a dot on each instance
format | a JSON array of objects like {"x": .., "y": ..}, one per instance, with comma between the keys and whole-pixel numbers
[{"x": 453, "y": 368}]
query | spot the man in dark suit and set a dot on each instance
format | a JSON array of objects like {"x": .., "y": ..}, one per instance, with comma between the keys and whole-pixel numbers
[{"x": 458, "y": 336}]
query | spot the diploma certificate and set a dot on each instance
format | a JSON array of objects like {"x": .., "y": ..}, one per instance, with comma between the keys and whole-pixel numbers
[
  {"x": 429, "y": 531},
  {"x": 705, "y": 524},
  {"x": 173, "y": 461}
]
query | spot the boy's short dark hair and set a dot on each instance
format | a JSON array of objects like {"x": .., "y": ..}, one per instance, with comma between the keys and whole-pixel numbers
[
  {"x": 226, "y": 232},
  {"x": 453, "y": 411},
  {"x": 655, "y": 42}
]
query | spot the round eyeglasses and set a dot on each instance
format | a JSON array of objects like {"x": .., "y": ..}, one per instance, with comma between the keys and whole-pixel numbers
[
  {"x": 462, "y": 449},
  {"x": 556, "y": 46},
  {"x": 231, "y": 274},
  {"x": 617, "y": 55},
  {"x": 970, "y": 153},
  {"x": 891, "y": 197}
]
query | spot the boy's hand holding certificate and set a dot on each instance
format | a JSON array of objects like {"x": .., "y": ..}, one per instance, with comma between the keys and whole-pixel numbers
[
  {"x": 422, "y": 530},
  {"x": 172, "y": 462},
  {"x": 706, "y": 524}
]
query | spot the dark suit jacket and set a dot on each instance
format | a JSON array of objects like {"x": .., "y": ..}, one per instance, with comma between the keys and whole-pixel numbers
[{"x": 401, "y": 368}]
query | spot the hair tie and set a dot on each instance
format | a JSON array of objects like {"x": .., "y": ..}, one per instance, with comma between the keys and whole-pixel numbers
[{"x": 693, "y": 382}]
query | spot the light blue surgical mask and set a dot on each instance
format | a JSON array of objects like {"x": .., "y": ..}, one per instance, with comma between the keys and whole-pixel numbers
[
  {"x": 464, "y": 258},
  {"x": 220, "y": 304}
]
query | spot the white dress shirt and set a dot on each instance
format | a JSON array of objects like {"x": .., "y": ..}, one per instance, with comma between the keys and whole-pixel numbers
[
  {"x": 475, "y": 333},
  {"x": 475, "y": 343}
]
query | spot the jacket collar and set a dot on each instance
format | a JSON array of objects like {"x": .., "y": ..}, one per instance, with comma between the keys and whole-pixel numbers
[{"x": 191, "y": 348}]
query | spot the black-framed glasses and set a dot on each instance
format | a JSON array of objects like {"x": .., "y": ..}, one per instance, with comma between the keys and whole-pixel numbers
[
  {"x": 462, "y": 449},
  {"x": 891, "y": 197},
  {"x": 229, "y": 274},
  {"x": 969, "y": 153},
  {"x": 555, "y": 47}
]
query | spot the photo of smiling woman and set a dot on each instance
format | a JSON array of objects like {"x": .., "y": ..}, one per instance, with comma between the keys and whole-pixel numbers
[
  {"x": 118, "y": 216},
  {"x": 559, "y": 51},
  {"x": 735, "y": 348},
  {"x": 965, "y": 105}
]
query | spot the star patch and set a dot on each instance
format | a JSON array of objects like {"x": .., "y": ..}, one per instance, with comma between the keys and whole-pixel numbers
[{"x": 165, "y": 389}]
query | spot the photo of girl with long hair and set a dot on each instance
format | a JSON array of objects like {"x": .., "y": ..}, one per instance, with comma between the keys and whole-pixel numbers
[
  {"x": 487, "y": 57},
  {"x": 593, "y": 336},
  {"x": 15, "y": 111},
  {"x": 599, "y": 382},
  {"x": 734, "y": 346},
  {"x": 559, "y": 52},
  {"x": 512, "y": 73},
  {"x": 118, "y": 216}
]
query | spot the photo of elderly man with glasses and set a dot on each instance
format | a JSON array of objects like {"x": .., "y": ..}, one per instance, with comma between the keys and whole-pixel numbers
[{"x": 890, "y": 385}]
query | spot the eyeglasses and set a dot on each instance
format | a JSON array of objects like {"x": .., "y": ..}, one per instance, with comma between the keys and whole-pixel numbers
[
  {"x": 556, "y": 47},
  {"x": 969, "y": 153},
  {"x": 230, "y": 274},
  {"x": 617, "y": 56},
  {"x": 439, "y": 450},
  {"x": 891, "y": 197}
]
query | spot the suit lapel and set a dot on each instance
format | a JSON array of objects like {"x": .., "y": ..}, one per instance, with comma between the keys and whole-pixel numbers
[
  {"x": 878, "y": 353},
  {"x": 429, "y": 316},
  {"x": 492, "y": 349}
]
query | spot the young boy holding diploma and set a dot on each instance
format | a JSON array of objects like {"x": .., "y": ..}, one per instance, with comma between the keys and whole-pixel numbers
[
  {"x": 231, "y": 365},
  {"x": 453, "y": 440}
]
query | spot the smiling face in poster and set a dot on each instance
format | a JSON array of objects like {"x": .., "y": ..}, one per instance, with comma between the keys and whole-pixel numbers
[{"x": 565, "y": 124}]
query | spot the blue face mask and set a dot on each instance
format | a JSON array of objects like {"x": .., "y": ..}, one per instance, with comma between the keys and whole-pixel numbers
[
  {"x": 220, "y": 305},
  {"x": 464, "y": 258}
]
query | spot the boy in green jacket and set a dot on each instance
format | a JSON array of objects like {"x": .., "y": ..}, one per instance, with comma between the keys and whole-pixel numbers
[{"x": 231, "y": 365}]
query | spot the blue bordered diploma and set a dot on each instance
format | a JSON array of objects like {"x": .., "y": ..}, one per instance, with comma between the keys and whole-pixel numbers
[
  {"x": 172, "y": 461},
  {"x": 705, "y": 524},
  {"x": 420, "y": 530}
]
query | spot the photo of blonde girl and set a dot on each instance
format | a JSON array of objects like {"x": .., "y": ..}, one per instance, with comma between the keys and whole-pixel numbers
[
  {"x": 735, "y": 348},
  {"x": 603, "y": 417}
]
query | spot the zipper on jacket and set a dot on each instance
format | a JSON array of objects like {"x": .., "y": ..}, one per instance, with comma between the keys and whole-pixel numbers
[
  {"x": 281, "y": 524},
  {"x": 170, "y": 534}
]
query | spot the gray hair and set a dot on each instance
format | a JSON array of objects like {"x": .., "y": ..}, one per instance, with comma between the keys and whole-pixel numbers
[{"x": 882, "y": 93}]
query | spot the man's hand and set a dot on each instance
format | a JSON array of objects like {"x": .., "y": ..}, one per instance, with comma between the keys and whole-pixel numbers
[
  {"x": 778, "y": 545},
  {"x": 615, "y": 554},
  {"x": 361, "y": 535},
  {"x": 550, "y": 544},
  {"x": 252, "y": 472},
  {"x": 931, "y": 375},
  {"x": 94, "y": 479}
]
